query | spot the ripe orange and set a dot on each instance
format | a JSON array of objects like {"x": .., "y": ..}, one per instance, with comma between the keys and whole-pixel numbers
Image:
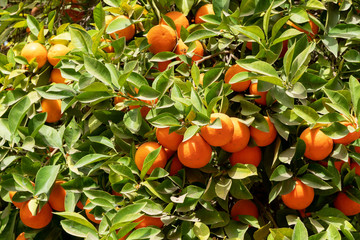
[
  {"x": 244, "y": 207},
  {"x": 239, "y": 86},
  {"x": 145, "y": 221},
  {"x": 35, "y": 50},
  {"x": 144, "y": 150},
  {"x": 195, "y": 152},
  {"x": 346, "y": 205},
  {"x": 90, "y": 216},
  {"x": 21, "y": 236},
  {"x": 108, "y": 49},
  {"x": 240, "y": 138},
  {"x": 318, "y": 145},
  {"x": 116, "y": 193},
  {"x": 299, "y": 198},
  {"x": 314, "y": 28},
  {"x": 249, "y": 45},
  {"x": 349, "y": 138},
  {"x": 264, "y": 138},
  {"x": 253, "y": 90},
  {"x": 175, "y": 166},
  {"x": 356, "y": 166},
  {"x": 357, "y": 149},
  {"x": 162, "y": 66},
  {"x": 118, "y": 100},
  {"x": 127, "y": 32},
  {"x": 179, "y": 20},
  {"x": 57, "y": 197},
  {"x": 80, "y": 205},
  {"x": 57, "y": 50},
  {"x": 144, "y": 110},
  {"x": 17, "y": 204},
  {"x": 204, "y": 10},
  {"x": 181, "y": 49},
  {"x": 161, "y": 38},
  {"x": 56, "y": 77},
  {"x": 249, "y": 155},
  {"x": 42, "y": 218},
  {"x": 337, "y": 164},
  {"x": 170, "y": 141},
  {"x": 218, "y": 137},
  {"x": 75, "y": 15},
  {"x": 169, "y": 153},
  {"x": 52, "y": 108}
]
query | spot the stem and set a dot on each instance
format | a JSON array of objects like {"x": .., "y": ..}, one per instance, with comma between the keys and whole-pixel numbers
[
  {"x": 263, "y": 209},
  {"x": 211, "y": 56}
]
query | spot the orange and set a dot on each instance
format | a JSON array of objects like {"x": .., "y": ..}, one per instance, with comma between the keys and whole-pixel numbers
[
  {"x": 284, "y": 48},
  {"x": 244, "y": 207},
  {"x": 299, "y": 198},
  {"x": 313, "y": 26},
  {"x": 249, "y": 45},
  {"x": 108, "y": 49},
  {"x": 253, "y": 90},
  {"x": 356, "y": 166},
  {"x": 21, "y": 236},
  {"x": 162, "y": 66},
  {"x": 56, "y": 77},
  {"x": 118, "y": 100},
  {"x": 175, "y": 166},
  {"x": 17, "y": 204},
  {"x": 35, "y": 50},
  {"x": 90, "y": 216},
  {"x": 179, "y": 20},
  {"x": 357, "y": 149},
  {"x": 346, "y": 205},
  {"x": 318, "y": 145},
  {"x": 144, "y": 150},
  {"x": 337, "y": 164},
  {"x": 204, "y": 10},
  {"x": 52, "y": 108},
  {"x": 221, "y": 136},
  {"x": 170, "y": 141},
  {"x": 195, "y": 152},
  {"x": 161, "y": 38},
  {"x": 144, "y": 110},
  {"x": 57, "y": 50},
  {"x": 75, "y": 15},
  {"x": 349, "y": 138},
  {"x": 42, "y": 218},
  {"x": 145, "y": 221},
  {"x": 181, "y": 49},
  {"x": 240, "y": 138},
  {"x": 239, "y": 86},
  {"x": 169, "y": 152},
  {"x": 116, "y": 193},
  {"x": 80, "y": 205},
  {"x": 127, "y": 32},
  {"x": 57, "y": 197},
  {"x": 249, "y": 155},
  {"x": 264, "y": 138}
]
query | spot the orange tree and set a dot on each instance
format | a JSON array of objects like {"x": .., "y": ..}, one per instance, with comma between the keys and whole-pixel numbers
[{"x": 179, "y": 119}]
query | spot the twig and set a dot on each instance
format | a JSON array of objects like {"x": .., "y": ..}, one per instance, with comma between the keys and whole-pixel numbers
[{"x": 211, "y": 56}]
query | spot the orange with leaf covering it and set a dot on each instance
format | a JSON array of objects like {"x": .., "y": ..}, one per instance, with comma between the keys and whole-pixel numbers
[
  {"x": 253, "y": 89},
  {"x": 244, "y": 207},
  {"x": 239, "y": 86},
  {"x": 57, "y": 197},
  {"x": 146, "y": 221},
  {"x": 179, "y": 19},
  {"x": 143, "y": 151},
  {"x": 127, "y": 32},
  {"x": 42, "y": 218},
  {"x": 346, "y": 205},
  {"x": 168, "y": 140},
  {"x": 35, "y": 50},
  {"x": 203, "y": 10},
  {"x": 89, "y": 215},
  {"x": 218, "y": 136},
  {"x": 350, "y": 137},
  {"x": 57, "y": 50},
  {"x": 240, "y": 138},
  {"x": 56, "y": 76},
  {"x": 264, "y": 138},
  {"x": 300, "y": 197},
  {"x": 182, "y": 48}
]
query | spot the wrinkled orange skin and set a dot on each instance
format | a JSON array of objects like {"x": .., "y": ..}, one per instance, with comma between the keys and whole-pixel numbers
[
  {"x": 145, "y": 221},
  {"x": 318, "y": 145},
  {"x": 244, "y": 207},
  {"x": 346, "y": 205},
  {"x": 42, "y": 218},
  {"x": 195, "y": 152},
  {"x": 264, "y": 138},
  {"x": 218, "y": 137},
  {"x": 239, "y": 86},
  {"x": 240, "y": 138},
  {"x": 179, "y": 20},
  {"x": 170, "y": 141},
  {"x": 203, "y": 10},
  {"x": 35, "y": 50},
  {"x": 248, "y": 155},
  {"x": 299, "y": 198},
  {"x": 144, "y": 150}
]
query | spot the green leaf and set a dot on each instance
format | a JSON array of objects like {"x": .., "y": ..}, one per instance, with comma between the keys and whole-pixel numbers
[
  {"x": 127, "y": 214},
  {"x": 290, "y": 33},
  {"x": 200, "y": 34},
  {"x": 280, "y": 174},
  {"x": 148, "y": 162},
  {"x": 300, "y": 60},
  {"x": 18, "y": 112},
  {"x": 117, "y": 24},
  {"x": 98, "y": 70},
  {"x": 33, "y": 25},
  {"x": 314, "y": 5},
  {"x": 144, "y": 233},
  {"x": 99, "y": 16},
  {"x": 78, "y": 230},
  {"x": 257, "y": 66},
  {"x": 347, "y": 31},
  {"x": 315, "y": 182},
  {"x": 332, "y": 233},
  {"x": 76, "y": 217},
  {"x": 306, "y": 113},
  {"x": 184, "y": 5},
  {"x": 190, "y": 132},
  {"x": 51, "y": 137},
  {"x": 102, "y": 140},
  {"x": 220, "y": 5},
  {"x": 242, "y": 171},
  {"x": 45, "y": 179},
  {"x": 163, "y": 56},
  {"x": 89, "y": 159},
  {"x": 355, "y": 94},
  {"x": 201, "y": 230},
  {"x": 123, "y": 171},
  {"x": 80, "y": 39},
  {"x": 352, "y": 56},
  {"x": 133, "y": 120},
  {"x": 300, "y": 231},
  {"x": 222, "y": 188}
]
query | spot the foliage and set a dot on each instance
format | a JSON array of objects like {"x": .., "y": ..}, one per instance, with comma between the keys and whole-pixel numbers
[{"x": 92, "y": 147}]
